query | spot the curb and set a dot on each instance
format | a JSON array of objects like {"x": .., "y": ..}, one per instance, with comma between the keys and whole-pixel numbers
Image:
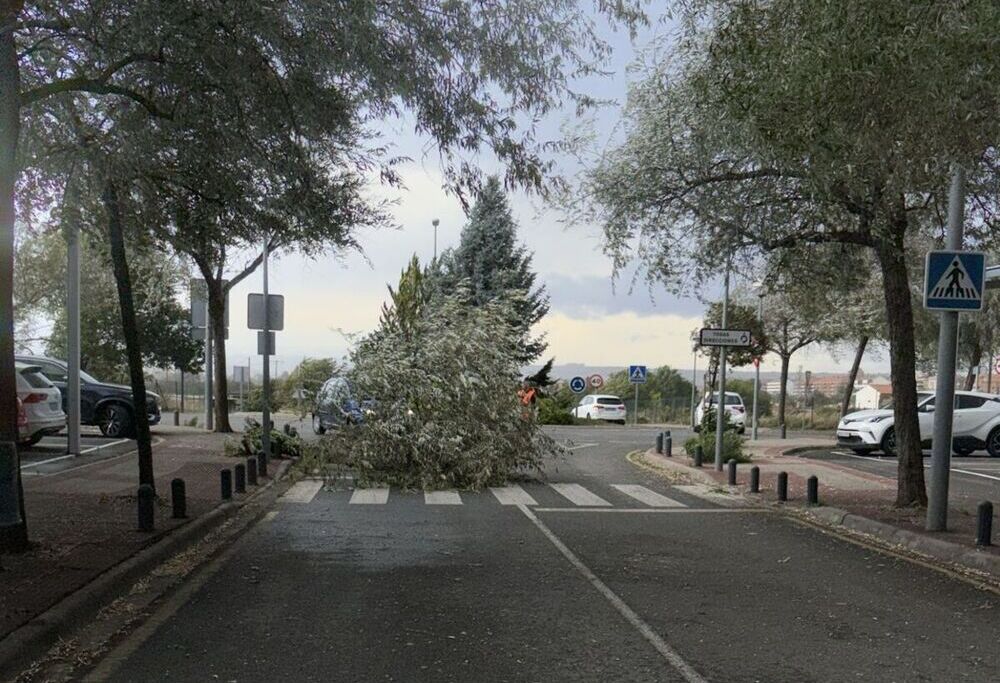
[
  {"x": 841, "y": 521},
  {"x": 29, "y": 641}
]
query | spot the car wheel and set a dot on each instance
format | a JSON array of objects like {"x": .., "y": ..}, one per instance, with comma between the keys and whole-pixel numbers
[
  {"x": 993, "y": 443},
  {"x": 889, "y": 441},
  {"x": 861, "y": 451},
  {"x": 318, "y": 427},
  {"x": 115, "y": 421},
  {"x": 742, "y": 430},
  {"x": 962, "y": 452},
  {"x": 30, "y": 441}
]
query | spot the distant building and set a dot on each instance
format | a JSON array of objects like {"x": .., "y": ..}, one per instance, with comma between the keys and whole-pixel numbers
[
  {"x": 774, "y": 387},
  {"x": 872, "y": 396},
  {"x": 829, "y": 385}
]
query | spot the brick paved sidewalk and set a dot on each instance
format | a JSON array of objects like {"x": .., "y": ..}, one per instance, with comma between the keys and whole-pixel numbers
[{"x": 83, "y": 521}]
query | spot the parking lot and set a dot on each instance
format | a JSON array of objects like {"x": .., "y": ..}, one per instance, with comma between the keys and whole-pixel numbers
[{"x": 49, "y": 455}]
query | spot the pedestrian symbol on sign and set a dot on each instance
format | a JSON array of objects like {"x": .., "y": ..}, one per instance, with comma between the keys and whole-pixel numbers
[
  {"x": 637, "y": 374},
  {"x": 955, "y": 284},
  {"x": 954, "y": 280}
]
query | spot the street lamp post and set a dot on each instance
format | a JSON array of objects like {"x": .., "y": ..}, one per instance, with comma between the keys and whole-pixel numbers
[
  {"x": 756, "y": 373},
  {"x": 435, "y": 223}
]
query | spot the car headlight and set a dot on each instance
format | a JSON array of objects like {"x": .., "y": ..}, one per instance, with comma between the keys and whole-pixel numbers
[{"x": 880, "y": 418}]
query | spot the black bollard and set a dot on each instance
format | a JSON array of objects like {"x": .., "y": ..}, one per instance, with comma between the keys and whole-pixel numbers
[
  {"x": 252, "y": 471},
  {"x": 812, "y": 490},
  {"x": 984, "y": 523},
  {"x": 699, "y": 454},
  {"x": 177, "y": 418},
  {"x": 732, "y": 472},
  {"x": 226, "y": 481},
  {"x": 782, "y": 486},
  {"x": 754, "y": 479},
  {"x": 659, "y": 442},
  {"x": 146, "y": 502},
  {"x": 668, "y": 444},
  {"x": 261, "y": 465},
  {"x": 241, "y": 478},
  {"x": 178, "y": 496}
]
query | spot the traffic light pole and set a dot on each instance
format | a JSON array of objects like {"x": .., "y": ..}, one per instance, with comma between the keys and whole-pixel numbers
[{"x": 944, "y": 399}]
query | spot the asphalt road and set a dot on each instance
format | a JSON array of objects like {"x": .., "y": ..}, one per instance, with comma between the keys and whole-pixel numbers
[
  {"x": 974, "y": 478},
  {"x": 605, "y": 573}
]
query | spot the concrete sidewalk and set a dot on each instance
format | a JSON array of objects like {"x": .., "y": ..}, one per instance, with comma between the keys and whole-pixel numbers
[
  {"x": 859, "y": 501},
  {"x": 82, "y": 521}
]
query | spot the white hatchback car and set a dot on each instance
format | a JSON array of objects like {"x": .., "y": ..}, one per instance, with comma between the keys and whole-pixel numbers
[
  {"x": 734, "y": 406},
  {"x": 42, "y": 403},
  {"x": 976, "y": 425},
  {"x": 601, "y": 407}
]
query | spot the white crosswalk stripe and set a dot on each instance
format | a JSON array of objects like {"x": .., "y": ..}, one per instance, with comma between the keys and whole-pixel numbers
[
  {"x": 512, "y": 495},
  {"x": 442, "y": 498},
  {"x": 369, "y": 497},
  {"x": 578, "y": 495},
  {"x": 647, "y": 496},
  {"x": 302, "y": 492}
]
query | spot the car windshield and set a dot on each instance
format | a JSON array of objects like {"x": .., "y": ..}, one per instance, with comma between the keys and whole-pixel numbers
[
  {"x": 922, "y": 399},
  {"x": 730, "y": 400}
]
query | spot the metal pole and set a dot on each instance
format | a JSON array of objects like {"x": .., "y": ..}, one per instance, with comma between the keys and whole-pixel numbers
[
  {"x": 720, "y": 405},
  {"x": 636, "y": 418},
  {"x": 756, "y": 371},
  {"x": 694, "y": 389},
  {"x": 265, "y": 438},
  {"x": 435, "y": 223},
  {"x": 944, "y": 401},
  {"x": 209, "y": 417},
  {"x": 989, "y": 376},
  {"x": 73, "y": 339},
  {"x": 182, "y": 391}
]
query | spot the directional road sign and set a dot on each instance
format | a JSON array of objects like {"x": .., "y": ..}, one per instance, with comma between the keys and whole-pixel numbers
[
  {"x": 954, "y": 280},
  {"x": 255, "y": 312},
  {"x": 578, "y": 385},
  {"x": 595, "y": 381},
  {"x": 260, "y": 343},
  {"x": 199, "y": 303},
  {"x": 715, "y": 337},
  {"x": 241, "y": 373},
  {"x": 637, "y": 374}
]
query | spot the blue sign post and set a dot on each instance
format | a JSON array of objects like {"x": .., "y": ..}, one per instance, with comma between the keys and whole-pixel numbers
[
  {"x": 578, "y": 385},
  {"x": 954, "y": 280},
  {"x": 637, "y": 376}
]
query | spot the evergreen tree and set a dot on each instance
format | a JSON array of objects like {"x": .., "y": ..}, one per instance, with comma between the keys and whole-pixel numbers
[{"x": 495, "y": 266}]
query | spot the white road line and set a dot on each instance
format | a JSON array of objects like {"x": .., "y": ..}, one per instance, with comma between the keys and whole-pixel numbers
[
  {"x": 579, "y": 446},
  {"x": 512, "y": 495},
  {"x": 442, "y": 498},
  {"x": 302, "y": 492},
  {"x": 578, "y": 495},
  {"x": 46, "y": 462},
  {"x": 647, "y": 496},
  {"x": 926, "y": 466},
  {"x": 976, "y": 474},
  {"x": 652, "y": 510},
  {"x": 369, "y": 497},
  {"x": 668, "y": 653},
  {"x": 72, "y": 455},
  {"x": 104, "y": 445},
  {"x": 270, "y": 516}
]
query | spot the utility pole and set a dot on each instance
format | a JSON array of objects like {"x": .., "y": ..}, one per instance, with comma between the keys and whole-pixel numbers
[
  {"x": 209, "y": 414},
  {"x": 435, "y": 223},
  {"x": 694, "y": 389},
  {"x": 720, "y": 405},
  {"x": 944, "y": 400},
  {"x": 72, "y": 235},
  {"x": 636, "y": 418},
  {"x": 756, "y": 371},
  {"x": 265, "y": 435}
]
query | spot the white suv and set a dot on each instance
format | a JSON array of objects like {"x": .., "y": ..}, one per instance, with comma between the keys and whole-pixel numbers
[
  {"x": 976, "y": 425},
  {"x": 601, "y": 407},
  {"x": 734, "y": 406}
]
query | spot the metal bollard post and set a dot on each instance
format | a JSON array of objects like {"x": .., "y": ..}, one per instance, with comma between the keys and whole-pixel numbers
[
  {"x": 226, "y": 481},
  {"x": 241, "y": 478},
  {"x": 668, "y": 444},
  {"x": 252, "y": 471},
  {"x": 146, "y": 502},
  {"x": 659, "y": 442},
  {"x": 732, "y": 472},
  {"x": 178, "y": 497},
  {"x": 754, "y": 479},
  {"x": 177, "y": 418},
  {"x": 262, "y": 465},
  {"x": 812, "y": 490},
  {"x": 782, "y": 486},
  {"x": 984, "y": 523},
  {"x": 699, "y": 454}
]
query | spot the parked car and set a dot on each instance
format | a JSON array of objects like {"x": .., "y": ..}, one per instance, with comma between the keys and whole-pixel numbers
[
  {"x": 601, "y": 407},
  {"x": 22, "y": 423},
  {"x": 336, "y": 406},
  {"x": 734, "y": 407},
  {"x": 108, "y": 406},
  {"x": 41, "y": 404},
  {"x": 975, "y": 426}
]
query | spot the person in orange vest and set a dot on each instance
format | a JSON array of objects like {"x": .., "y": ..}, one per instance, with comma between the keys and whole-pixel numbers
[{"x": 528, "y": 395}]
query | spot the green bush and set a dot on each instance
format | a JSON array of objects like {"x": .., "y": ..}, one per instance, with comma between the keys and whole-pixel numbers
[
  {"x": 732, "y": 443},
  {"x": 284, "y": 443},
  {"x": 550, "y": 412}
]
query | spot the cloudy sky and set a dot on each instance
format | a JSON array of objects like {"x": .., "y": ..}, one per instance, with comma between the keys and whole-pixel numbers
[{"x": 593, "y": 320}]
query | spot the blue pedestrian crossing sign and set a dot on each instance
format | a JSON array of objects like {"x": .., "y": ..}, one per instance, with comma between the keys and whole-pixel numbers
[
  {"x": 954, "y": 280},
  {"x": 578, "y": 385},
  {"x": 637, "y": 374}
]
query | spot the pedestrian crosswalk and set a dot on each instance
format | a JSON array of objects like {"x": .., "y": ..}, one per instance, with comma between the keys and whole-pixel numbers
[{"x": 555, "y": 495}]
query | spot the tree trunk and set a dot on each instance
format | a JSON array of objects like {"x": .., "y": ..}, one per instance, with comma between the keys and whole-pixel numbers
[
  {"x": 217, "y": 319},
  {"x": 975, "y": 358},
  {"x": 783, "y": 390},
  {"x": 852, "y": 377},
  {"x": 13, "y": 538},
  {"x": 130, "y": 331},
  {"x": 910, "y": 489}
]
